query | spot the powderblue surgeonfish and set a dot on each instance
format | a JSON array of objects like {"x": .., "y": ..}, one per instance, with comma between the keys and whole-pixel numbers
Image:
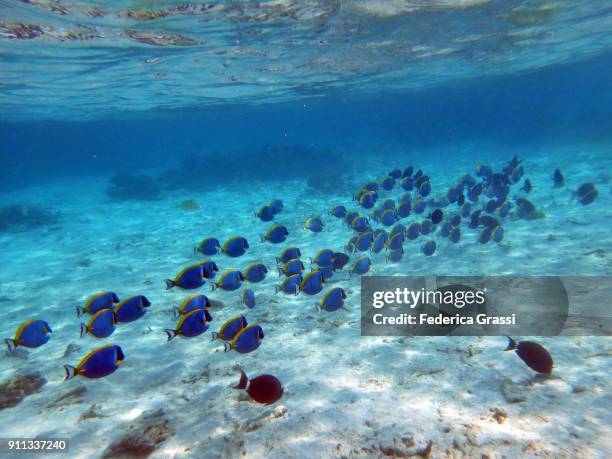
[
  {"x": 235, "y": 246},
  {"x": 367, "y": 199},
  {"x": 98, "y": 301},
  {"x": 101, "y": 324},
  {"x": 413, "y": 231},
  {"x": 324, "y": 257},
  {"x": 426, "y": 227},
  {"x": 387, "y": 183},
  {"x": 289, "y": 253},
  {"x": 188, "y": 278},
  {"x": 389, "y": 217},
  {"x": 290, "y": 285},
  {"x": 255, "y": 273},
  {"x": 395, "y": 255},
  {"x": 131, "y": 308},
  {"x": 455, "y": 235},
  {"x": 379, "y": 243},
  {"x": 419, "y": 206},
  {"x": 349, "y": 217},
  {"x": 403, "y": 210},
  {"x": 209, "y": 246},
  {"x": 275, "y": 235},
  {"x": 361, "y": 266},
  {"x": 360, "y": 224},
  {"x": 277, "y": 205},
  {"x": 192, "y": 324},
  {"x": 497, "y": 234},
  {"x": 246, "y": 340},
  {"x": 586, "y": 193},
  {"x": 191, "y": 303},
  {"x": 332, "y": 300},
  {"x": 388, "y": 204},
  {"x": 338, "y": 211},
  {"x": 266, "y": 213},
  {"x": 364, "y": 241},
  {"x": 229, "y": 281},
  {"x": 326, "y": 271},
  {"x": 292, "y": 267},
  {"x": 396, "y": 242},
  {"x": 314, "y": 224},
  {"x": 100, "y": 362},
  {"x": 428, "y": 248},
  {"x": 312, "y": 283},
  {"x": 209, "y": 269},
  {"x": 31, "y": 334},
  {"x": 485, "y": 235},
  {"x": 340, "y": 260},
  {"x": 248, "y": 298},
  {"x": 230, "y": 329}
]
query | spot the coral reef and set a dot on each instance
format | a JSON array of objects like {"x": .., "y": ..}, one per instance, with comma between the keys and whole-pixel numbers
[
  {"x": 13, "y": 391},
  {"x": 22, "y": 217},
  {"x": 123, "y": 187}
]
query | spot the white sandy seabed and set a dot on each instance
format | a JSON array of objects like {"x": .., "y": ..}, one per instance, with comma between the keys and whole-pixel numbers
[{"x": 345, "y": 395}]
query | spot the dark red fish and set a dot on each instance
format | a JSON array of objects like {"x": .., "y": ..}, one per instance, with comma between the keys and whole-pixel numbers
[
  {"x": 533, "y": 354},
  {"x": 263, "y": 389}
]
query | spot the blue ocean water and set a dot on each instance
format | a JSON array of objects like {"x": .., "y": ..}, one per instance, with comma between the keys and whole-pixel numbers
[{"x": 130, "y": 131}]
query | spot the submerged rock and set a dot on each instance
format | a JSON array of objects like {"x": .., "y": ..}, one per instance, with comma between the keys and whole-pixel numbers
[
  {"x": 143, "y": 436},
  {"x": 22, "y": 218},
  {"x": 13, "y": 391},
  {"x": 123, "y": 187}
]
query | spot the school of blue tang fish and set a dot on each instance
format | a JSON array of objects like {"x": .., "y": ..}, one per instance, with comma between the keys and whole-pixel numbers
[{"x": 478, "y": 207}]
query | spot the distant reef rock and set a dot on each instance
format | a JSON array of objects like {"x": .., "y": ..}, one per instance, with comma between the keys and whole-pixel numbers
[
  {"x": 22, "y": 218},
  {"x": 124, "y": 187},
  {"x": 13, "y": 391}
]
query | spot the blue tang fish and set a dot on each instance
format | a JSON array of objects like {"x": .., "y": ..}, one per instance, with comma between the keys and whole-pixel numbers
[
  {"x": 332, "y": 300},
  {"x": 100, "y": 362},
  {"x": 191, "y": 303},
  {"x": 277, "y": 205},
  {"x": 292, "y": 267},
  {"x": 98, "y": 301},
  {"x": 188, "y": 278},
  {"x": 230, "y": 329},
  {"x": 255, "y": 273},
  {"x": 192, "y": 324},
  {"x": 290, "y": 285},
  {"x": 209, "y": 246},
  {"x": 230, "y": 280},
  {"x": 289, "y": 253},
  {"x": 361, "y": 266},
  {"x": 266, "y": 213},
  {"x": 33, "y": 333},
  {"x": 248, "y": 298},
  {"x": 132, "y": 308},
  {"x": 101, "y": 325},
  {"x": 275, "y": 235},
  {"x": 312, "y": 283},
  {"x": 338, "y": 211},
  {"x": 246, "y": 340},
  {"x": 235, "y": 246},
  {"x": 314, "y": 224}
]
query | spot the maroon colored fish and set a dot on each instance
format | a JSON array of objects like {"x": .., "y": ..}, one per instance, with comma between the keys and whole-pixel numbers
[
  {"x": 263, "y": 389},
  {"x": 533, "y": 354}
]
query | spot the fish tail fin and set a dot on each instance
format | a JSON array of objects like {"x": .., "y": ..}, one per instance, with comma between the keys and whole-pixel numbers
[
  {"x": 171, "y": 333},
  {"x": 175, "y": 312},
  {"x": 71, "y": 372},
  {"x": 195, "y": 250},
  {"x": 214, "y": 336},
  {"x": 297, "y": 289},
  {"x": 262, "y": 237},
  {"x": 227, "y": 347},
  {"x": 318, "y": 307},
  {"x": 511, "y": 344},
  {"x": 83, "y": 329},
  {"x": 213, "y": 286},
  {"x": 242, "y": 384},
  {"x": 169, "y": 284},
  {"x": 80, "y": 311},
  {"x": 276, "y": 289},
  {"x": 11, "y": 344}
]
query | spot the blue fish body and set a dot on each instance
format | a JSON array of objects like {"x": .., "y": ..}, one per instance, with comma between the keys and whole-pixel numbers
[
  {"x": 426, "y": 227},
  {"x": 230, "y": 329},
  {"x": 324, "y": 257},
  {"x": 256, "y": 273},
  {"x": 403, "y": 210},
  {"x": 378, "y": 244},
  {"x": 276, "y": 234},
  {"x": 266, "y": 213},
  {"x": 192, "y": 324},
  {"x": 31, "y": 334},
  {"x": 291, "y": 285},
  {"x": 389, "y": 217},
  {"x": 455, "y": 235},
  {"x": 292, "y": 267},
  {"x": 413, "y": 231},
  {"x": 314, "y": 224},
  {"x": 407, "y": 184},
  {"x": 209, "y": 268},
  {"x": 101, "y": 325},
  {"x": 231, "y": 280},
  {"x": 277, "y": 205},
  {"x": 327, "y": 272},
  {"x": 364, "y": 241},
  {"x": 192, "y": 303},
  {"x": 333, "y": 299},
  {"x": 97, "y": 302},
  {"x": 188, "y": 278},
  {"x": 99, "y": 363},
  {"x": 290, "y": 253},
  {"x": 132, "y": 308},
  {"x": 248, "y": 298},
  {"x": 419, "y": 206},
  {"x": 361, "y": 266},
  {"x": 338, "y": 211},
  {"x": 312, "y": 283},
  {"x": 247, "y": 340},
  {"x": 235, "y": 246},
  {"x": 360, "y": 224},
  {"x": 209, "y": 246},
  {"x": 395, "y": 255}
]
